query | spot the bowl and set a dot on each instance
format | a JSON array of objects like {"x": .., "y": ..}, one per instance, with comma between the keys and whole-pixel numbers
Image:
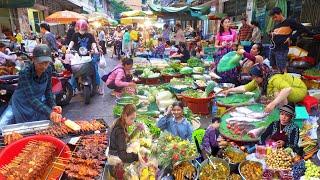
[
  {"x": 246, "y": 162},
  {"x": 12, "y": 150},
  {"x": 215, "y": 160}
]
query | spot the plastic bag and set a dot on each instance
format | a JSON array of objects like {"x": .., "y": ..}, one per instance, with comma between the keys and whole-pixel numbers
[{"x": 102, "y": 63}]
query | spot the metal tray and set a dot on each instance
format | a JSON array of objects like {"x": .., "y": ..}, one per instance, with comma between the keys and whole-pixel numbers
[{"x": 28, "y": 127}]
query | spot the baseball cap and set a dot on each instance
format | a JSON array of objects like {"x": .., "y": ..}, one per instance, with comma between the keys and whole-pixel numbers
[{"x": 42, "y": 53}]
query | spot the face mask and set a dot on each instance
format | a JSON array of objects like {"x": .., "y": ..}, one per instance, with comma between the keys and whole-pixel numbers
[{"x": 82, "y": 32}]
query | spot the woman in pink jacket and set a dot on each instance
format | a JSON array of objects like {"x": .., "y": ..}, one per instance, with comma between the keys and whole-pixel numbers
[{"x": 120, "y": 77}]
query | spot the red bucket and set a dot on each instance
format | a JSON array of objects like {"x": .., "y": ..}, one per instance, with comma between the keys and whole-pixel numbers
[
  {"x": 166, "y": 78},
  {"x": 199, "y": 105}
]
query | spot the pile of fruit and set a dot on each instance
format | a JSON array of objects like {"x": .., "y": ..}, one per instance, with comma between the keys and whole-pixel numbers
[
  {"x": 312, "y": 170},
  {"x": 298, "y": 169},
  {"x": 279, "y": 159}
]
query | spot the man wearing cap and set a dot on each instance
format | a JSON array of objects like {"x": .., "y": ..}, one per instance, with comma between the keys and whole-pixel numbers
[
  {"x": 33, "y": 99},
  {"x": 283, "y": 133}
]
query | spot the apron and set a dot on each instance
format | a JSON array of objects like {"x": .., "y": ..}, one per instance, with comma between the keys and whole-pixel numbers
[{"x": 21, "y": 108}]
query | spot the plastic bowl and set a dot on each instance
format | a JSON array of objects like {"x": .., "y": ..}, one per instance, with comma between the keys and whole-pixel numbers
[{"x": 12, "y": 150}]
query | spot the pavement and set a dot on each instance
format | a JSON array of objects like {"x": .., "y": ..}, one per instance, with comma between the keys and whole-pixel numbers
[{"x": 100, "y": 105}]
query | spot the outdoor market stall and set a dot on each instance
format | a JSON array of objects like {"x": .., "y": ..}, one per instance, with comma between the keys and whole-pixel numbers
[{"x": 81, "y": 153}]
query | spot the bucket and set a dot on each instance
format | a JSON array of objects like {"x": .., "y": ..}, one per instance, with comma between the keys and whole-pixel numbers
[{"x": 199, "y": 105}]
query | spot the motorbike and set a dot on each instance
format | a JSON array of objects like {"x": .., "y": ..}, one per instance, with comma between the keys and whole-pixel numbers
[
  {"x": 84, "y": 72},
  {"x": 61, "y": 88}
]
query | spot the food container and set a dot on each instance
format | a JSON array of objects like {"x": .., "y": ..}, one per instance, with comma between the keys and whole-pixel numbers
[
  {"x": 246, "y": 162},
  {"x": 237, "y": 153},
  {"x": 198, "y": 105},
  {"x": 166, "y": 77},
  {"x": 150, "y": 81},
  {"x": 215, "y": 161},
  {"x": 177, "y": 164},
  {"x": 177, "y": 90},
  {"x": 12, "y": 150},
  {"x": 28, "y": 127}
]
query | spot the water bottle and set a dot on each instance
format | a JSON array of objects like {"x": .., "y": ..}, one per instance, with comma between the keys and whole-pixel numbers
[{"x": 214, "y": 108}]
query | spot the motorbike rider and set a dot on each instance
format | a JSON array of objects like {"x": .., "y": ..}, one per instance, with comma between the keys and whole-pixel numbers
[
  {"x": 33, "y": 99},
  {"x": 5, "y": 56},
  {"x": 82, "y": 38}
]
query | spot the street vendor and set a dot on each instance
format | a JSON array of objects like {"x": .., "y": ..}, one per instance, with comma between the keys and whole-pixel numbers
[
  {"x": 120, "y": 77},
  {"x": 285, "y": 133},
  {"x": 249, "y": 60},
  {"x": 119, "y": 136},
  {"x": 284, "y": 87},
  {"x": 175, "y": 123},
  {"x": 33, "y": 99},
  {"x": 183, "y": 54}
]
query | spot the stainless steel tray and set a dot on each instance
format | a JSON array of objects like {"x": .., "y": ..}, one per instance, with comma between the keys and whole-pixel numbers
[{"x": 28, "y": 127}]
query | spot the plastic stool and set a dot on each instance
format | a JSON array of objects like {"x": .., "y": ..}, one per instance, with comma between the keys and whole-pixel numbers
[{"x": 311, "y": 104}]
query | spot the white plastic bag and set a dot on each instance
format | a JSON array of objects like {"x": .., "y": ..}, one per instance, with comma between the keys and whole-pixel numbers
[{"x": 102, "y": 63}]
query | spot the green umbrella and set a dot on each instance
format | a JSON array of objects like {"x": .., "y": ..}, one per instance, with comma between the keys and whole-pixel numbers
[{"x": 229, "y": 61}]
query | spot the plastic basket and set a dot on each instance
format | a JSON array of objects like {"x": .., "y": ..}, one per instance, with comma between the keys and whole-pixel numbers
[
  {"x": 198, "y": 105},
  {"x": 150, "y": 81},
  {"x": 166, "y": 78}
]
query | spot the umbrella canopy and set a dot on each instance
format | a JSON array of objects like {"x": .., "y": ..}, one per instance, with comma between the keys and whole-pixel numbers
[
  {"x": 136, "y": 13},
  {"x": 64, "y": 17},
  {"x": 138, "y": 20}
]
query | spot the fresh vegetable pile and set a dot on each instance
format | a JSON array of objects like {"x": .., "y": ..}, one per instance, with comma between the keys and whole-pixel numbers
[
  {"x": 186, "y": 70},
  {"x": 195, "y": 93},
  {"x": 148, "y": 73},
  {"x": 171, "y": 149},
  {"x": 312, "y": 72},
  {"x": 151, "y": 124},
  {"x": 195, "y": 62}
]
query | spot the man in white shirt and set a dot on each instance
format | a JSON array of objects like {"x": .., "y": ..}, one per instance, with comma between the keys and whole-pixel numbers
[{"x": 4, "y": 55}]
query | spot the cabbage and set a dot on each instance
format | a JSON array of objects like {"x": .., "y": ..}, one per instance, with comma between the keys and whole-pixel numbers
[
  {"x": 186, "y": 70},
  {"x": 164, "y": 95}
]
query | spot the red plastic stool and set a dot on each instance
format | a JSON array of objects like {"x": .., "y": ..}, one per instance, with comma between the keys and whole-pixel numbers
[{"x": 311, "y": 103}]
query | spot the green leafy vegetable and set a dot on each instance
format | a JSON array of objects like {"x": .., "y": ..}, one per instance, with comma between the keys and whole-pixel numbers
[
  {"x": 199, "y": 70},
  {"x": 168, "y": 71},
  {"x": 312, "y": 72},
  {"x": 193, "y": 93},
  {"x": 117, "y": 110},
  {"x": 195, "y": 62},
  {"x": 186, "y": 70}
]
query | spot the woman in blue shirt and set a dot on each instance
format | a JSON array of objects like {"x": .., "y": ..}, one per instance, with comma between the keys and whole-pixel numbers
[{"x": 174, "y": 122}]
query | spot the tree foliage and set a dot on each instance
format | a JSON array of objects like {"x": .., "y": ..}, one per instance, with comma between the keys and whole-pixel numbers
[{"x": 118, "y": 7}]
